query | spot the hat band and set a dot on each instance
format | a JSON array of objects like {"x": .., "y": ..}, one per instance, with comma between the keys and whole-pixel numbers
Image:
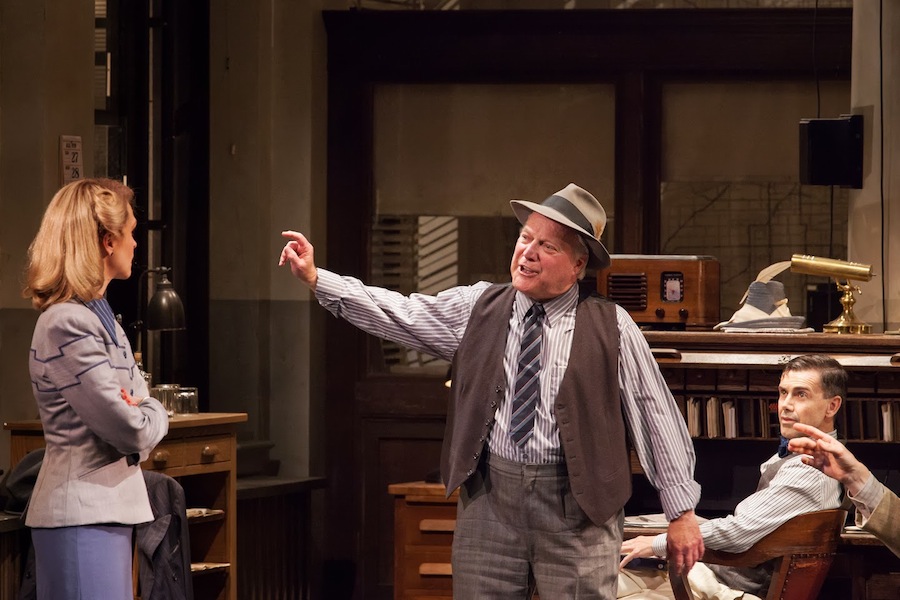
[{"x": 568, "y": 210}]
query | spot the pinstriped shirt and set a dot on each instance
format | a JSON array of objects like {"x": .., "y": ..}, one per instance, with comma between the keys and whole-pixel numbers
[
  {"x": 787, "y": 488},
  {"x": 436, "y": 324}
]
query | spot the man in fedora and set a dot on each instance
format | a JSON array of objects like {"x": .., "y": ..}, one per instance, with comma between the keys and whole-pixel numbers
[{"x": 545, "y": 379}]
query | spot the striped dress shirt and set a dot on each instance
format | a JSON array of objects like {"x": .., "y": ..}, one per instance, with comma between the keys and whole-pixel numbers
[
  {"x": 436, "y": 324},
  {"x": 787, "y": 488}
]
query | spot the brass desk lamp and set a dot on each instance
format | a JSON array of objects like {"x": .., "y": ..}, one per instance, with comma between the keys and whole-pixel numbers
[{"x": 840, "y": 271}]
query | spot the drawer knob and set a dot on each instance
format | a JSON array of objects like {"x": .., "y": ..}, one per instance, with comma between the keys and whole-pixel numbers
[
  {"x": 161, "y": 457},
  {"x": 210, "y": 451}
]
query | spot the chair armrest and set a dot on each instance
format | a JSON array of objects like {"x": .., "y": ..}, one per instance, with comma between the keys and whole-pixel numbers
[{"x": 802, "y": 547}]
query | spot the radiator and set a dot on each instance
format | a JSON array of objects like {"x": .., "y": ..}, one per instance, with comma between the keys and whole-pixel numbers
[{"x": 273, "y": 554}]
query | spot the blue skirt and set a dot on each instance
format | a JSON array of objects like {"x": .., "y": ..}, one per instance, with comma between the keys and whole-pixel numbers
[{"x": 83, "y": 563}]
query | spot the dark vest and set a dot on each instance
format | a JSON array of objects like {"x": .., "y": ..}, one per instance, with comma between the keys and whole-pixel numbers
[{"x": 587, "y": 408}]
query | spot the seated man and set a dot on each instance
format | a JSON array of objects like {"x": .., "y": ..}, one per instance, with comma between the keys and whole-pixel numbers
[
  {"x": 877, "y": 508},
  {"x": 811, "y": 391}
]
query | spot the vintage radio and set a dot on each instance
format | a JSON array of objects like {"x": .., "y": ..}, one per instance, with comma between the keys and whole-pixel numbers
[{"x": 664, "y": 291}]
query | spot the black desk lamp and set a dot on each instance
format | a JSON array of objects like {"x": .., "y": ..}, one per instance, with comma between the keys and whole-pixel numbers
[{"x": 165, "y": 312}]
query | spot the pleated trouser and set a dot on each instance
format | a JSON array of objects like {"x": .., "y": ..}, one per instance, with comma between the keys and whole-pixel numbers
[{"x": 518, "y": 526}]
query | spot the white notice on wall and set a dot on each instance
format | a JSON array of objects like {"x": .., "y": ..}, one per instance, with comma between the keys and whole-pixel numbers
[{"x": 71, "y": 158}]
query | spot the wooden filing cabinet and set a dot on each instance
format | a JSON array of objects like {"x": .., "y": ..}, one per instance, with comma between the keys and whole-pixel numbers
[
  {"x": 424, "y": 520},
  {"x": 200, "y": 451}
]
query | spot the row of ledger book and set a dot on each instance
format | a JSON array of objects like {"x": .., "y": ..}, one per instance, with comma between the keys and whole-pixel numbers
[
  {"x": 870, "y": 419},
  {"x": 890, "y": 421},
  {"x": 717, "y": 417}
]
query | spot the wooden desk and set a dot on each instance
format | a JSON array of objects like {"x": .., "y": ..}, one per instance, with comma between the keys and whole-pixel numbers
[
  {"x": 861, "y": 558},
  {"x": 200, "y": 451},
  {"x": 848, "y": 538}
]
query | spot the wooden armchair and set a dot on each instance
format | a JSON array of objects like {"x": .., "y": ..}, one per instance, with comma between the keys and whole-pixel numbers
[{"x": 802, "y": 549}]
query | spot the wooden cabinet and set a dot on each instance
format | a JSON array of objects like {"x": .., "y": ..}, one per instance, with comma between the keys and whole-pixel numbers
[
  {"x": 200, "y": 452},
  {"x": 424, "y": 520}
]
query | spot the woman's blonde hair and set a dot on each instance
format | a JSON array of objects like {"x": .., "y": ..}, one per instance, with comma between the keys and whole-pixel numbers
[{"x": 65, "y": 259}]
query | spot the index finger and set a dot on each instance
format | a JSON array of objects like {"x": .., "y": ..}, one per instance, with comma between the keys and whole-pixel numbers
[
  {"x": 294, "y": 235},
  {"x": 802, "y": 445}
]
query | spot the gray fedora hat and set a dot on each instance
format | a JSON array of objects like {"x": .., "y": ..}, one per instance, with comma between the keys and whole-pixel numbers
[{"x": 577, "y": 209}]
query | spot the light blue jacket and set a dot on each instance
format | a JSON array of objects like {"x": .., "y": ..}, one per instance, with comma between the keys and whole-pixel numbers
[{"x": 95, "y": 440}]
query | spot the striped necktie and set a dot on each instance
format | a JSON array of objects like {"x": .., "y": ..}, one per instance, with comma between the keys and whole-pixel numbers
[{"x": 527, "y": 387}]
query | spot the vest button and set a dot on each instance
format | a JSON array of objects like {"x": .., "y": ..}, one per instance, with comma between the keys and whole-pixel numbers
[
  {"x": 498, "y": 389},
  {"x": 493, "y": 404},
  {"x": 469, "y": 473},
  {"x": 475, "y": 456}
]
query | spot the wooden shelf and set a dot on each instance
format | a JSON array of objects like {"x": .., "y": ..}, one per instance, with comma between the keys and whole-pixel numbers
[{"x": 710, "y": 368}]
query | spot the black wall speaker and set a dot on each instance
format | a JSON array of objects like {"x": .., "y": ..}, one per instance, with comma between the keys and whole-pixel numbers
[{"x": 831, "y": 151}]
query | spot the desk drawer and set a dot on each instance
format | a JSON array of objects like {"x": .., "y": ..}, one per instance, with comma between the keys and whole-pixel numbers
[
  {"x": 427, "y": 569},
  {"x": 190, "y": 452},
  {"x": 203, "y": 451},
  {"x": 426, "y": 526},
  {"x": 166, "y": 455}
]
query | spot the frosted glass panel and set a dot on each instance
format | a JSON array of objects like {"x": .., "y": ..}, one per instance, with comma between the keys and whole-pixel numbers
[
  {"x": 742, "y": 131},
  {"x": 470, "y": 149},
  {"x": 731, "y": 182}
]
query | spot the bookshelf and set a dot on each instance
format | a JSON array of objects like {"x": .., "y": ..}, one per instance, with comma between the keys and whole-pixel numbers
[{"x": 725, "y": 384}]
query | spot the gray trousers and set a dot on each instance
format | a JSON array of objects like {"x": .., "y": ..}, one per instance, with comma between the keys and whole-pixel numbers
[{"x": 518, "y": 526}]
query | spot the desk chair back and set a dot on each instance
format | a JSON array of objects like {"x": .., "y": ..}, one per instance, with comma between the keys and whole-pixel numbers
[{"x": 802, "y": 550}]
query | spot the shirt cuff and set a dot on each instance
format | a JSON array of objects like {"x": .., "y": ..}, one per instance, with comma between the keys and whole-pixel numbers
[
  {"x": 679, "y": 499},
  {"x": 329, "y": 290},
  {"x": 659, "y": 545},
  {"x": 868, "y": 498}
]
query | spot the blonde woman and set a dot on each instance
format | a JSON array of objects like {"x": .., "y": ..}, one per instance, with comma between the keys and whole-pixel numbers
[{"x": 99, "y": 421}]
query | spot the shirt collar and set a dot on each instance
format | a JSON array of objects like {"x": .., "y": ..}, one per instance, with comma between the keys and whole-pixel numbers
[{"x": 554, "y": 308}]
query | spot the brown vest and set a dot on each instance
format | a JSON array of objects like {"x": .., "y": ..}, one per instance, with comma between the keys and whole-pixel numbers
[{"x": 587, "y": 408}]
